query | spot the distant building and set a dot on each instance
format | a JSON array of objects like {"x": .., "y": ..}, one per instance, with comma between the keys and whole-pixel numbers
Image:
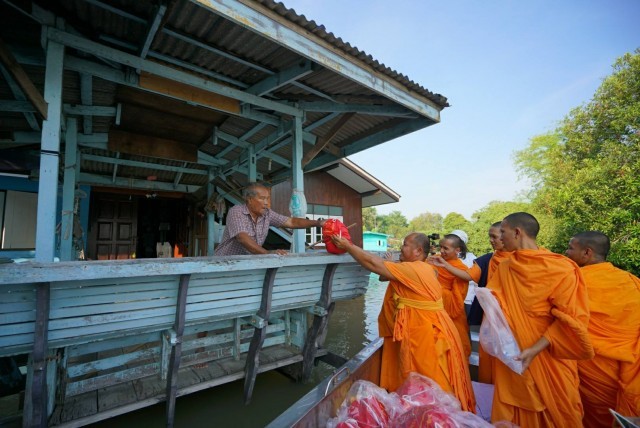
[{"x": 374, "y": 241}]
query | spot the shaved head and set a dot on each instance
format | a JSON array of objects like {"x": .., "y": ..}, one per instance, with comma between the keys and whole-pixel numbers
[
  {"x": 597, "y": 241},
  {"x": 524, "y": 221}
]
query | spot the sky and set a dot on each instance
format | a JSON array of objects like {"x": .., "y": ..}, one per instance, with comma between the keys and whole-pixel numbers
[{"x": 510, "y": 69}]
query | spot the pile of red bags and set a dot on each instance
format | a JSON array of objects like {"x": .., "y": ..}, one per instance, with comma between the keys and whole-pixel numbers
[
  {"x": 418, "y": 403},
  {"x": 334, "y": 227}
]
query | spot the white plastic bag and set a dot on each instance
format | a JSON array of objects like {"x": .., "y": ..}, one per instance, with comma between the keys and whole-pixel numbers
[{"x": 496, "y": 337}]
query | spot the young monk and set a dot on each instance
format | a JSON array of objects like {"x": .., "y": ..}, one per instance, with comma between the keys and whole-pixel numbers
[
  {"x": 418, "y": 333},
  {"x": 454, "y": 289},
  {"x": 611, "y": 380},
  {"x": 544, "y": 299},
  {"x": 481, "y": 271}
]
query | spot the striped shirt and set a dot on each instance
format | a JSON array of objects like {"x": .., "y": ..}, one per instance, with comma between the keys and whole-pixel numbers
[{"x": 239, "y": 220}]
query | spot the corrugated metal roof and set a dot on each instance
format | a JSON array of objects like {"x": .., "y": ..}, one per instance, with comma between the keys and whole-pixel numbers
[{"x": 196, "y": 40}]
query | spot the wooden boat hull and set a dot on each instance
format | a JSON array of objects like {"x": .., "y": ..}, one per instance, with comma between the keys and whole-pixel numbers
[{"x": 322, "y": 402}]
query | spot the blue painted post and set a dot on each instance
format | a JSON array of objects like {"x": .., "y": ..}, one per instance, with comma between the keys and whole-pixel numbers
[
  {"x": 49, "y": 155},
  {"x": 298, "y": 180},
  {"x": 68, "y": 191},
  {"x": 251, "y": 163},
  {"x": 211, "y": 220}
]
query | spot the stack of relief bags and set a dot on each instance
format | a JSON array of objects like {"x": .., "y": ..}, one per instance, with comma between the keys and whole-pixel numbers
[{"x": 418, "y": 403}]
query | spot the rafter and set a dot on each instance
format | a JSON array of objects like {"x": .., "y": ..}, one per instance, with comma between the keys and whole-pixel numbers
[
  {"x": 22, "y": 79},
  {"x": 162, "y": 71},
  {"x": 281, "y": 79},
  {"x": 323, "y": 143}
]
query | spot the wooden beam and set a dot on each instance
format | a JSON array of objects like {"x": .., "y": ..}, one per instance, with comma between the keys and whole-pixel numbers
[
  {"x": 176, "y": 349},
  {"x": 259, "y": 334},
  {"x": 319, "y": 321},
  {"x": 23, "y": 80},
  {"x": 183, "y": 91},
  {"x": 144, "y": 145},
  {"x": 323, "y": 142}
]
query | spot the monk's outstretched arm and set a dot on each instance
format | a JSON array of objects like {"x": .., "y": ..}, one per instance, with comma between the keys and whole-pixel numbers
[
  {"x": 368, "y": 261},
  {"x": 440, "y": 262}
]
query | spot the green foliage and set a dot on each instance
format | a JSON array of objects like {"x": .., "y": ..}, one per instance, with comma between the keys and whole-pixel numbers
[
  {"x": 483, "y": 219},
  {"x": 394, "y": 224},
  {"x": 453, "y": 221},
  {"x": 587, "y": 173},
  {"x": 369, "y": 219},
  {"x": 426, "y": 223}
]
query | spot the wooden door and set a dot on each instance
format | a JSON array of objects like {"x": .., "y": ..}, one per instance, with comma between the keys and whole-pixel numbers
[{"x": 113, "y": 227}]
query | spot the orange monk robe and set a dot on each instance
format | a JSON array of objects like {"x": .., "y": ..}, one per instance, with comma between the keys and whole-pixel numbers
[
  {"x": 421, "y": 340},
  {"x": 454, "y": 291},
  {"x": 542, "y": 294},
  {"x": 485, "y": 361},
  {"x": 612, "y": 378}
]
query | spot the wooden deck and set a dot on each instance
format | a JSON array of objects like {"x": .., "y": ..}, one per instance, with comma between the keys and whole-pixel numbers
[{"x": 106, "y": 338}]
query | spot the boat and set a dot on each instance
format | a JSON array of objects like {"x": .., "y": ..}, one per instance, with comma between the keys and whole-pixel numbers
[{"x": 322, "y": 402}]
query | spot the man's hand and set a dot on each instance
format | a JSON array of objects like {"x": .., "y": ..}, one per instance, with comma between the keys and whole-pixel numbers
[
  {"x": 321, "y": 222},
  {"x": 279, "y": 252},
  {"x": 341, "y": 242},
  {"x": 436, "y": 261}
]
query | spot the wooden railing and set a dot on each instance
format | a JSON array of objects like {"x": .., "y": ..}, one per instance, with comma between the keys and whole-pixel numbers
[{"x": 102, "y": 324}]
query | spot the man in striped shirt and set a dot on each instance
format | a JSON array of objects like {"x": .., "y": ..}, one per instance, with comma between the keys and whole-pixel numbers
[{"x": 248, "y": 224}]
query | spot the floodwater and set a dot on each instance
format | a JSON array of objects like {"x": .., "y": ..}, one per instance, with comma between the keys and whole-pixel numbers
[{"x": 354, "y": 323}]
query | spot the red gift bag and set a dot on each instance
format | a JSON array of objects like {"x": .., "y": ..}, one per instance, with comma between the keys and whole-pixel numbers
[{"x": 334, "y": 227}]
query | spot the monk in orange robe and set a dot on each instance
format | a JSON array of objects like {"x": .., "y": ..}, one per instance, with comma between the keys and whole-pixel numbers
[
  {"x": 544, "y": 299},
  {"x": 475, "y": 273},
  {"x": 419, "y": 335},
  {"x": 611, "y": 380},
  {"x": 454, "y": 289}
]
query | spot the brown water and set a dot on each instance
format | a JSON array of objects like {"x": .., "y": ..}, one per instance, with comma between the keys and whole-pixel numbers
[{"x": 353, "y": 324}]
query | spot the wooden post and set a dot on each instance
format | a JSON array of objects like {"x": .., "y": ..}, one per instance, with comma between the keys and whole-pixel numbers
[
  {"x": 176, "y": 349},
  {"x": 211, "y": 220},
  {"x": 35, "y": 407},
  {"x": 297, "y": 180},
  {"x": 259, "y": 334},
  {"x": 67, "y": 251},
  {"x": 49, "y": 155},
  {"x": 323, "y": 309}
]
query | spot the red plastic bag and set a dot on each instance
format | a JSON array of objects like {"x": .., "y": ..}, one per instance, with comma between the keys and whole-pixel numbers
[
  {"x": 334, "y": 227},
  {"x": 366, "y": 406},
  {"x": 418, "y": 390}
]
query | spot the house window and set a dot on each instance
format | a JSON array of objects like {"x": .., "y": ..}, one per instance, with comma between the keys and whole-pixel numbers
[
  {"x": 19, "y": 217},
  {"x": 315, "y": 212}
]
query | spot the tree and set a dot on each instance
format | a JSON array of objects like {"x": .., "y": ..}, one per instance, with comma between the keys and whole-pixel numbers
[
  {"x": 588, "y": 171},
  {"x": 369, "y": 219},
  {"x": 453, "y": 221},
  {"x": 394, "y": 224},
  {"x": 426, "y": 223},
  {"x": 482, "y": 219}
]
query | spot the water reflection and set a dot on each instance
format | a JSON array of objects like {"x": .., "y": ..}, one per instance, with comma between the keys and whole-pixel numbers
[{"x": 353, "y": 324}]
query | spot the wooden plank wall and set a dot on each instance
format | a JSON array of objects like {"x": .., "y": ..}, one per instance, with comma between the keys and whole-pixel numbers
[{"x": 323, "y": 189}]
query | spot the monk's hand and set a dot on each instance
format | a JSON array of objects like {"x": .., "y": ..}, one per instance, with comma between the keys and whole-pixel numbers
[
  {"x": 340, "y": 242},
  {"x": 388, "y": 256},
  {"x": 529, "y": 354},
  {"x": 436, "y": 261}
]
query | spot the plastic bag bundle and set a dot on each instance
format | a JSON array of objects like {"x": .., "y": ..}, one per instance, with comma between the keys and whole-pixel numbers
[
  {"x": 418, "y": 390},
  {"x": 366, "y": 406},
  {"x": 496, "y": 337},
  {"x": 434, "y": 417},
  {"x": 334, "y": 227}
]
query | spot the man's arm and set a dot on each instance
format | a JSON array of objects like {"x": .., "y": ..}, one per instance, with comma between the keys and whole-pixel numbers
[
  {"x": 368, "y": 261},
  {"x": 440, "y": 262},
  {"x": 253, "y": 247},
  {"x": 302, "y": 223}
]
